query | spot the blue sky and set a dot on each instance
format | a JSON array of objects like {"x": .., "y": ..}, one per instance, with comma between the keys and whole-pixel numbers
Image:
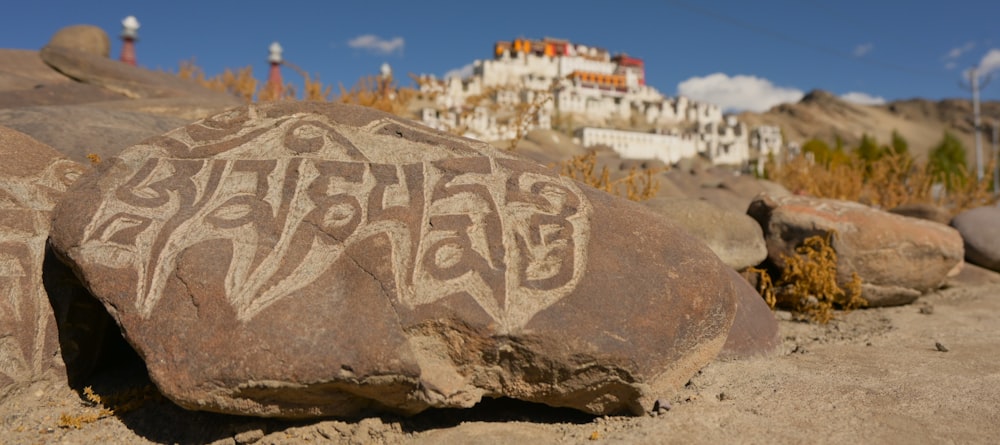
[{"x": 739, "y": 54}]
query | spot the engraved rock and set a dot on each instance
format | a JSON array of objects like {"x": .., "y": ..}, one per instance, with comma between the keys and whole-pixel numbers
[
  {"x": 32, "y": 177},
  {"x": 898, "y": 258},
  {"x": 311, "y": 259}
]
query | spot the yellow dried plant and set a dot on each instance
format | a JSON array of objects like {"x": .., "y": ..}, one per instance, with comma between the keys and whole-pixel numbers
[
  {"x": 636, "y": 186},
  {"x": 808, "y": 283}
]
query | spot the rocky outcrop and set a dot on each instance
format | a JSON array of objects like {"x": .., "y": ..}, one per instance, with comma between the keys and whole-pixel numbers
[
  {"x": 897, "y": 258},
  {"x": 308, "y": 259},
  {"x": 980, "y": 229},
  {"x": 32, "y": 179},
  {"x": 79, "y": 130}
]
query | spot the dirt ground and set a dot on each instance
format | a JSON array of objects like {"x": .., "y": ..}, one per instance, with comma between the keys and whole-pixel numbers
[{"x": 923, "y": 373}]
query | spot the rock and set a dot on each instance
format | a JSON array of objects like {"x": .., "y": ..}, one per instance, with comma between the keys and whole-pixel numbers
[
  {"x": 721, "y": 187},
  {"x": 300, "y": 259},
  {"x": 84, "y": 38},
  {"x": 755, "y": 329},
  {"x": 32, "y": 178},
  {"x": 61, "y": 93},
  {"x": 79, "y": 130},
  {"x": 128, "y": 80},
  {"x": 898, "y": 258},
  {"x": 973, "y": 275},
  {"x": 22, "y": 69},
  {"x": 25, "y": 80},
  {"x": 735, "y": 237},
  {"x": 980, "y": 229},
  {"x": 929, "y": 212}
]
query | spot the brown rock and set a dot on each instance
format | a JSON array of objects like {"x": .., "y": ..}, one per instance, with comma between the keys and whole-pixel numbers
[
  {"x": 755, "y": 330},
  {"x": 128, "y": 80},
  {"x": 898, "y": 258},
  {"x": 980, "y": 229},
  {"x": 79, "y": 130},
  {"x": 85, "y": 38},
  {"x": 22, "y": 69},
  {"x": 735, "y": 237},
  {"x": 32, "y": 178},
  {"x": 312, "y": 259}
]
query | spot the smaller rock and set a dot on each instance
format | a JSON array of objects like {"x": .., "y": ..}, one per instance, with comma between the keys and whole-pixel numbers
[
  {"x": 980, "y": 229},
  {"x": 734, "y": 237},
  {"x": 940, "y": 347},
  {"x": 86, "y": 38},
  {"x": 661, "y": 406}
]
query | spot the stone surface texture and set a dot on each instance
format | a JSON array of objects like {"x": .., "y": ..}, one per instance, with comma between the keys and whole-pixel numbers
[
  {"x": 310, "y": 259},
  {"x": 130, "y": 81},
  {"x": 84, "y": 38},
  {"x": 980, "y": 229},
  {"x": 79, "y": 130},
  {"x": 735, "y": 237},
  {"x": 898, "y": 258},
  {"x": 755, "y": 329},
  {"x": 32, "y": 178}
]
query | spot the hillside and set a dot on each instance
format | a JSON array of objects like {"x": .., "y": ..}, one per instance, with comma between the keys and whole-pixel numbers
[{"x": 922, "y": 122}]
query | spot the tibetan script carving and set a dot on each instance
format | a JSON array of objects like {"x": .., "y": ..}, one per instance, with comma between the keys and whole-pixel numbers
[{"x": 291, "y": 195}]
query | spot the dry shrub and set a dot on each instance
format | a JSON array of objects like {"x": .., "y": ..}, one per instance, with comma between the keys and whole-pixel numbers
[
  {"x": 808, "y": 283},
  {"x": 636, "y": 186},
  {"x": 115, "y": 404},
  {"x": 379, "y": 93},
  {"x": 888, "y": 182}
]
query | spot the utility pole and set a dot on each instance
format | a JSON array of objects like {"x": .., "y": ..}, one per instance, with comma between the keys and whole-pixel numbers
[
  {"x": 974, "y": 81},
  {"x": 975, "y": 86}
]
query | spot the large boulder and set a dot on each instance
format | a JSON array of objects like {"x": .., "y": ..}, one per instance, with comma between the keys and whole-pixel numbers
[
  {"x": 77, "y": 131},
  {"x": 735, "y": 237},
  {"x": 32, "y": 178},
  {"x": 130, "y": 81},
  {"x": 897, "y": 258},
  {"x": 84, "y": 38},
  {"x": 980, "y": 229},
  {"x": 311, "y": 259}
]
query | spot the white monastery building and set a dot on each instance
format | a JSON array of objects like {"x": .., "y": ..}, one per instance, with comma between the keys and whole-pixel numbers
[{"x": 531, "y": 84}]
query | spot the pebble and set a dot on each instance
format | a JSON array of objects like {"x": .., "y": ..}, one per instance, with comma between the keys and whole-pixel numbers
[{"x": 940, "y": 347}]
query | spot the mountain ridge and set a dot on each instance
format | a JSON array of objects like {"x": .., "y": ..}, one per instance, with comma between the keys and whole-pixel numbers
[{"x": 922, "y": 122}]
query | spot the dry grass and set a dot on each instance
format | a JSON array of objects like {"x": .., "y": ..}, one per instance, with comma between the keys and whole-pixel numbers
[
  {"x": 636, "y": 186},
  {"x": 888, "y": 182},
  {"x": 808, "y": 284},
  {"x": 372, "y": 91},
  {"x": 115, "y": 404}
]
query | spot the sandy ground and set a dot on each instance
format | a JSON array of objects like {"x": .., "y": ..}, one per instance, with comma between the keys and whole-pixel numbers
[{"x": 923, "y": 373}]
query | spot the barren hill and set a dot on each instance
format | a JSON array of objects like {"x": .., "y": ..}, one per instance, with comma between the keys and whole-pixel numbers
[{"x": 922, "y": 122}]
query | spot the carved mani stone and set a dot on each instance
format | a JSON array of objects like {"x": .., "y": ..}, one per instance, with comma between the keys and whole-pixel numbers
[
  {"x": 32, "y": 178},
  {"x": 309, "y": 259}
]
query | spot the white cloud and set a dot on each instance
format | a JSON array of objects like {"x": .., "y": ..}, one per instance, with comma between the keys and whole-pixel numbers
[
  {"x": 376, "y": 44},
  {"x": 990, "y": 62},
  {"x": 951, "y": 58},
  {"x": 461, "y": 73},
  {"x": 863, "y": 49},
  {"x": 862, "y": 98},
  {"x": 737, "y": 93},
  {"x": 957, "y": 51}
]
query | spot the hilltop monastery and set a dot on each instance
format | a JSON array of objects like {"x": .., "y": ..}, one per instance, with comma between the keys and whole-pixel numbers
[{"x": 602, "y": 98}]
